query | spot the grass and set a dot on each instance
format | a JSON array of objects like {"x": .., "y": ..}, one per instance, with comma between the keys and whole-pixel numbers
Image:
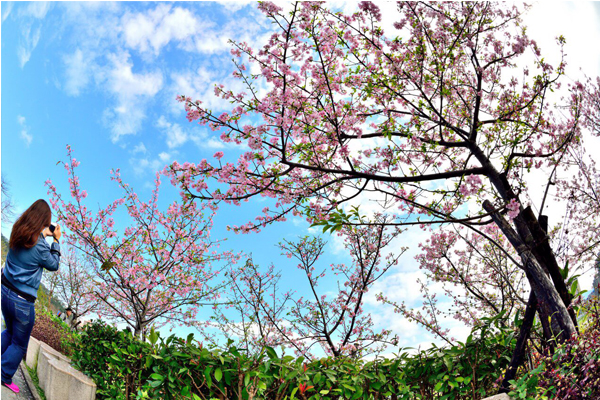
[{"x": 36, "y": 382}]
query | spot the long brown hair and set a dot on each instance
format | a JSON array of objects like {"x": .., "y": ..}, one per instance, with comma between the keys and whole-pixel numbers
[{"x": 31, "y": 223}]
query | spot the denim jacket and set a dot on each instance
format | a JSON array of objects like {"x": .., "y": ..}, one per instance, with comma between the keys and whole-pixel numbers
[{"x": 23, "y": 268}]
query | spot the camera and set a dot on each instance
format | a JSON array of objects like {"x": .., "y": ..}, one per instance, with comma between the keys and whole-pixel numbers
[{"x": 52, "y": 227}]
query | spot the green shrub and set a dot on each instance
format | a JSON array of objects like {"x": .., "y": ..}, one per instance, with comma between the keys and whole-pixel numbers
[
  {"x": 176, "y": 368},
  {"x": 112, "y": 358}
]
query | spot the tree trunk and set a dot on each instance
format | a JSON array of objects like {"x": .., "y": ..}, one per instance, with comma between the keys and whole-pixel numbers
[
  {"x": 540, "y": 247},
  {"x": 549, "y": 301},
  {"x": 533, "y": 234},
  {"x": 139, "y": 331}
]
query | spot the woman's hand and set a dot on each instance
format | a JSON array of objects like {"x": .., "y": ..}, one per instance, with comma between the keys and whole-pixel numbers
[{"x": 57, "y": 233}]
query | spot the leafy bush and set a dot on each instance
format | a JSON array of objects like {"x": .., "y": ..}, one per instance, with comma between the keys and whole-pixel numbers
[
  {"x": 113, "y": 359},
  {"x": 52, "y": 331},
  {"x": 175, "y": 368},
  {"x": 573, "y": 371}
]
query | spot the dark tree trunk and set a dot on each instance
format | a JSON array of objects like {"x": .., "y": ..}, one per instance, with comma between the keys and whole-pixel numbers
[
  {"x": 549, "y": 300},
  {"x": 540, "y": 247},
  {"x": 539, "y": 229}
]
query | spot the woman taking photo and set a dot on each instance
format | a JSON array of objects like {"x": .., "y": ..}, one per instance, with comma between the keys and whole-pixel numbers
[{"x": 28, "y": 253}]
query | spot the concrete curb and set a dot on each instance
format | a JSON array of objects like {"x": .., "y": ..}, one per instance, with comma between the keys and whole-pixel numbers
[
  {"x": 57, "y": 378},
  {"x": 501, "y": 396},
  {"x": 33, "y": 348},
  {"x": 29, "y": 382},
  {"x": 68, "y": 383}
]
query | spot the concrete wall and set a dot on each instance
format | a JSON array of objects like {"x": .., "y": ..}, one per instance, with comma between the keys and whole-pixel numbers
[{"x": 58, "y": 379}]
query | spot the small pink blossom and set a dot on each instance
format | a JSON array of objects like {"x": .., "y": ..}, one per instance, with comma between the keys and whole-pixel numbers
[{"x": 513, "y": 208}]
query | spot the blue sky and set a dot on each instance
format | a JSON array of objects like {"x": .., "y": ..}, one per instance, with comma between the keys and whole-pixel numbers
[
  {"x": 103, "y": 78},
  {"x": 89, "y": 75}
]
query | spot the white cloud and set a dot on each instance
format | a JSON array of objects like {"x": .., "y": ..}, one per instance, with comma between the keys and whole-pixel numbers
[
  {"x": 95, "y": 25},
  {"x": 124, "y": 82},
  {"x": 247, "y": 28},
  {"x": 175, "y": 136},
  {"x": 6, "y": 9},
  {"x": 30, "y": 17},
  {"x": 24, "y": 134},
  {"x": 399, "y": 286},
  {"x": 155, "y": 29},
  {"x": 36, "y": 9},
  {"x": 140, "y": 148},
  {"x": 132, "y": 92},
  {"x": 116, "y": 50},
  {"x": 143, "y": 165},
  {"x": 100, "y": 58},
  {"x": 165, "y": 157},
  {"x": 204, "y": 141},
  {"x": 234, "y": 6},
  {"x": 97, "y": 29},
  {"x": 150, "y": 31},
  {"x": 77, "y": 74},
  {"x": 28, "y": 42},
  {"x": 198, "y": 84}
]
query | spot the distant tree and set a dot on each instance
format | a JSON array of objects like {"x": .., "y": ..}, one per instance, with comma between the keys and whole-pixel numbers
[
  {"x": 8, "y": 208},
  {"x": 159, "y": 270},
  {"x": 73, "y": 284},
  {"x": 333, "y": 320},
  {"x": 479, "y": 277},
  {"x": 4, "y": 249},
  {"x": 50, "y": 280}
]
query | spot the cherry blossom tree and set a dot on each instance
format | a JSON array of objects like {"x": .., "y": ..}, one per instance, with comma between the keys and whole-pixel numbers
[
  {"x": 75, "y": 284},
  {"x": 332, "y": 320},
  {"x": 581, "y": 190},
  {"x": 159, "y": 269},
  {"x": 434, "y": 120},
  {"x": 50, "y": 282},
  {"x": 479, "y": 277}
]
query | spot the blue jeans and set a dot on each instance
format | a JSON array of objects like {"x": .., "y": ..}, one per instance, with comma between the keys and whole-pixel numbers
[{"x": 19, "y": 316}]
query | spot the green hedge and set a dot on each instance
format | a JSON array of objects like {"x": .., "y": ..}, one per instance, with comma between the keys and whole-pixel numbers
[{"x": 175, "y": 368}]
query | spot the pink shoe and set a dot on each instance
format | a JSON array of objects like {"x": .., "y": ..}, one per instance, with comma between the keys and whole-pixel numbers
[{"x": 12, "y": 387}]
